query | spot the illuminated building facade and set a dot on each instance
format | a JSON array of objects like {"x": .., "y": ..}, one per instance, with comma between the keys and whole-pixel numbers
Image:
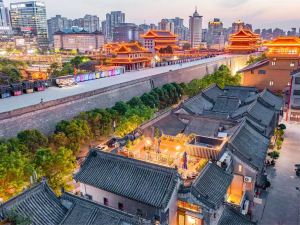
[
  {"x": 125, "y": 32},
  {"x": 215, "y": 35},
  {"x": 82, "y": 41},
  {"x": 132, "y": 56},
  {"x": 29, "y": 18},
  {"x": 154, "y": 40},
  {"x": 274, "y": 72},
  {"x": 243, "y": 42}
]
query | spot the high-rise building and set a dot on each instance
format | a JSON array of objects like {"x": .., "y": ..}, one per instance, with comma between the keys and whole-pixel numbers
[
  {"x": 91, "y": 23},
  {"x": 180, "y": 29},
  {"x": 4, "y": 19},
  {"x": 167, "y": 25},
  {"x": 125, "y": 32},
  {"x": 215, "y": 34},
  {"x": 112, "y": 19},
  {"x": 237, "y": 26},
  {"x": 195, "y": 30},
  {"x": 76, "y": 39},
  {"x": 57, "y": 23},
  {"x": 30, "y": 18}
]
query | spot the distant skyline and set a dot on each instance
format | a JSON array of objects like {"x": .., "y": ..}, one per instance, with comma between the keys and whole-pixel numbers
[{"x": 260, "y": 13}]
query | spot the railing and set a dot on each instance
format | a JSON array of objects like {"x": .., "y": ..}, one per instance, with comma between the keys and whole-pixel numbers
[{"x": 285, "y": 55}]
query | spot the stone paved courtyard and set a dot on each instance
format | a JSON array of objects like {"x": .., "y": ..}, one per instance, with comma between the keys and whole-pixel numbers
[{"x": 283, "y": 200}]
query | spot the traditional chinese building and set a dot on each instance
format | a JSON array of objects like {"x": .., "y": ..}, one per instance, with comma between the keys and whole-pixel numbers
[
  {"x": 131, "y": 55},
  {"x": 40, "y": 206},
  {"x": 155, "y": 40},
  {"x": 243, "y": 42},
  {"x": 274, "y": 72}
]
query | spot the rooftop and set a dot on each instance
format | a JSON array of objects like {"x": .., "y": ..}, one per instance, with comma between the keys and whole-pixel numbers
[
  {"x": 39, "y": 204},
  {"x": 249, "y": 144},
  {"x": 211, "y": 186},
  {"x": 129, "y": 178},
  {"x": 42, "y": 207},
  {"x": 86, "y": 212},
  {"x": 231, "y": 216}
]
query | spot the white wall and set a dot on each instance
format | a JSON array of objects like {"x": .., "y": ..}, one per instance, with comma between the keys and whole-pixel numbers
[{"x": 131, "y": 206}]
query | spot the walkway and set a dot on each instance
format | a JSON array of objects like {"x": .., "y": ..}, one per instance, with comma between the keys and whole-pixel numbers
[
  {"x": 283, "y": 201},
  {"x": 54, "y": 93}
]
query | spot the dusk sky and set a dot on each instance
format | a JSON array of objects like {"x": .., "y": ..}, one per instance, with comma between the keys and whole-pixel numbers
[{"x": 261, "y": 13}]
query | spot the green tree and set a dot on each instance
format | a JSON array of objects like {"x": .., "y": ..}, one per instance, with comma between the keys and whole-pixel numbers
[
  {"x": 253, "y": 59},
  {"x": 121, "y": 107},
  {"x": 15, "y": 170},
  {"x": 57, "y": 167},
  {"x": 135, "y": 102},
  {"x": 32, "y": 139}
]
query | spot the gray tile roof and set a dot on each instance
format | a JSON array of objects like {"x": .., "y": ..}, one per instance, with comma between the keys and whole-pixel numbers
[
  {"x": 213, "y": 92},
  {"x": 272, "y": 99},
  {"x": 137, "y": 180},
  {"x": 262, "y": 112},
  {"x": 226, "y": 104},
  {"x": 170, "y": 125},
  {"x": 231, "y": 217},
  {"x": 86, "y": 212},
  {"x": 197, "y": 104},
  {"x": 207, "y": 126},
  {"x": 217, "y": 115},
  {"x": 255, "y": 65},
  {"x": 211, "y": 186},
  {"x": 239, "y": 92},
  {"x": 249, "y": 145},
  {"x": 39, "y": 204}
]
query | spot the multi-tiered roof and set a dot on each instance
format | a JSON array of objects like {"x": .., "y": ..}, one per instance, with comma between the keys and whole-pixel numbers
[{"x": 244, "y": 41}]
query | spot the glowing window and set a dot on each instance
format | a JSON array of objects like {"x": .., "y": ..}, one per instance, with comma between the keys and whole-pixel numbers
[{"x": 240, "y": 168}]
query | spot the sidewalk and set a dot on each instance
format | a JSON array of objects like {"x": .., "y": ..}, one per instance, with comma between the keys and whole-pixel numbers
[{"x": 283, "y": 200}]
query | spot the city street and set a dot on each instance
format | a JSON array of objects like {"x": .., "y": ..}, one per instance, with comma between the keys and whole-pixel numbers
[
  {"x": 53, "y": 93},
  {"x": 283, "y": 200}
]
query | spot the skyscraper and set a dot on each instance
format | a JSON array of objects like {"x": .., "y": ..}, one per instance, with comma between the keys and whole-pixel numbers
[
  {"x": 91, "y": 23},
  {"x": 112, "y": 19},
  {"x": 30, "y": 18},
  {"x": 237, "y": 26},
  {"x": 167, "y": 25},
  {"x": 195, "y": 30},
  {"x": 4, "y": 19},
  {"x": 215, "y": 34},
  {"x": 57, "y": 23},
  {"x": 125, "y": 32}
]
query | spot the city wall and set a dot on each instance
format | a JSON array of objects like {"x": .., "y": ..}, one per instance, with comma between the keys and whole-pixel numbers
[{"x": 45, "y": 116}]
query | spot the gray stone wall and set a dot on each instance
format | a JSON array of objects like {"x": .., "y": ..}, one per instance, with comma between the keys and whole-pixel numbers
[{"x": 45, "y": 116}]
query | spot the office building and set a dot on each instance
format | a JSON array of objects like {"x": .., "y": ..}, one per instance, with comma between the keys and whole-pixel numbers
[
  {"x": 112, "y": 19},
  {"x": 195, "y": 30},
  {"x": 57, "y": 23},
  {"x": 215, "y": 35},
  {"x": 29, "y": 18},
  {"x": 76, "y": 39},
  {"x": 237, "y": 26},
  {"x": 89, "y": 23},
  {"x": 166, "y": 25},
  {"x": 125, "y": 32},
  {"x": 4, "y": 20}
]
